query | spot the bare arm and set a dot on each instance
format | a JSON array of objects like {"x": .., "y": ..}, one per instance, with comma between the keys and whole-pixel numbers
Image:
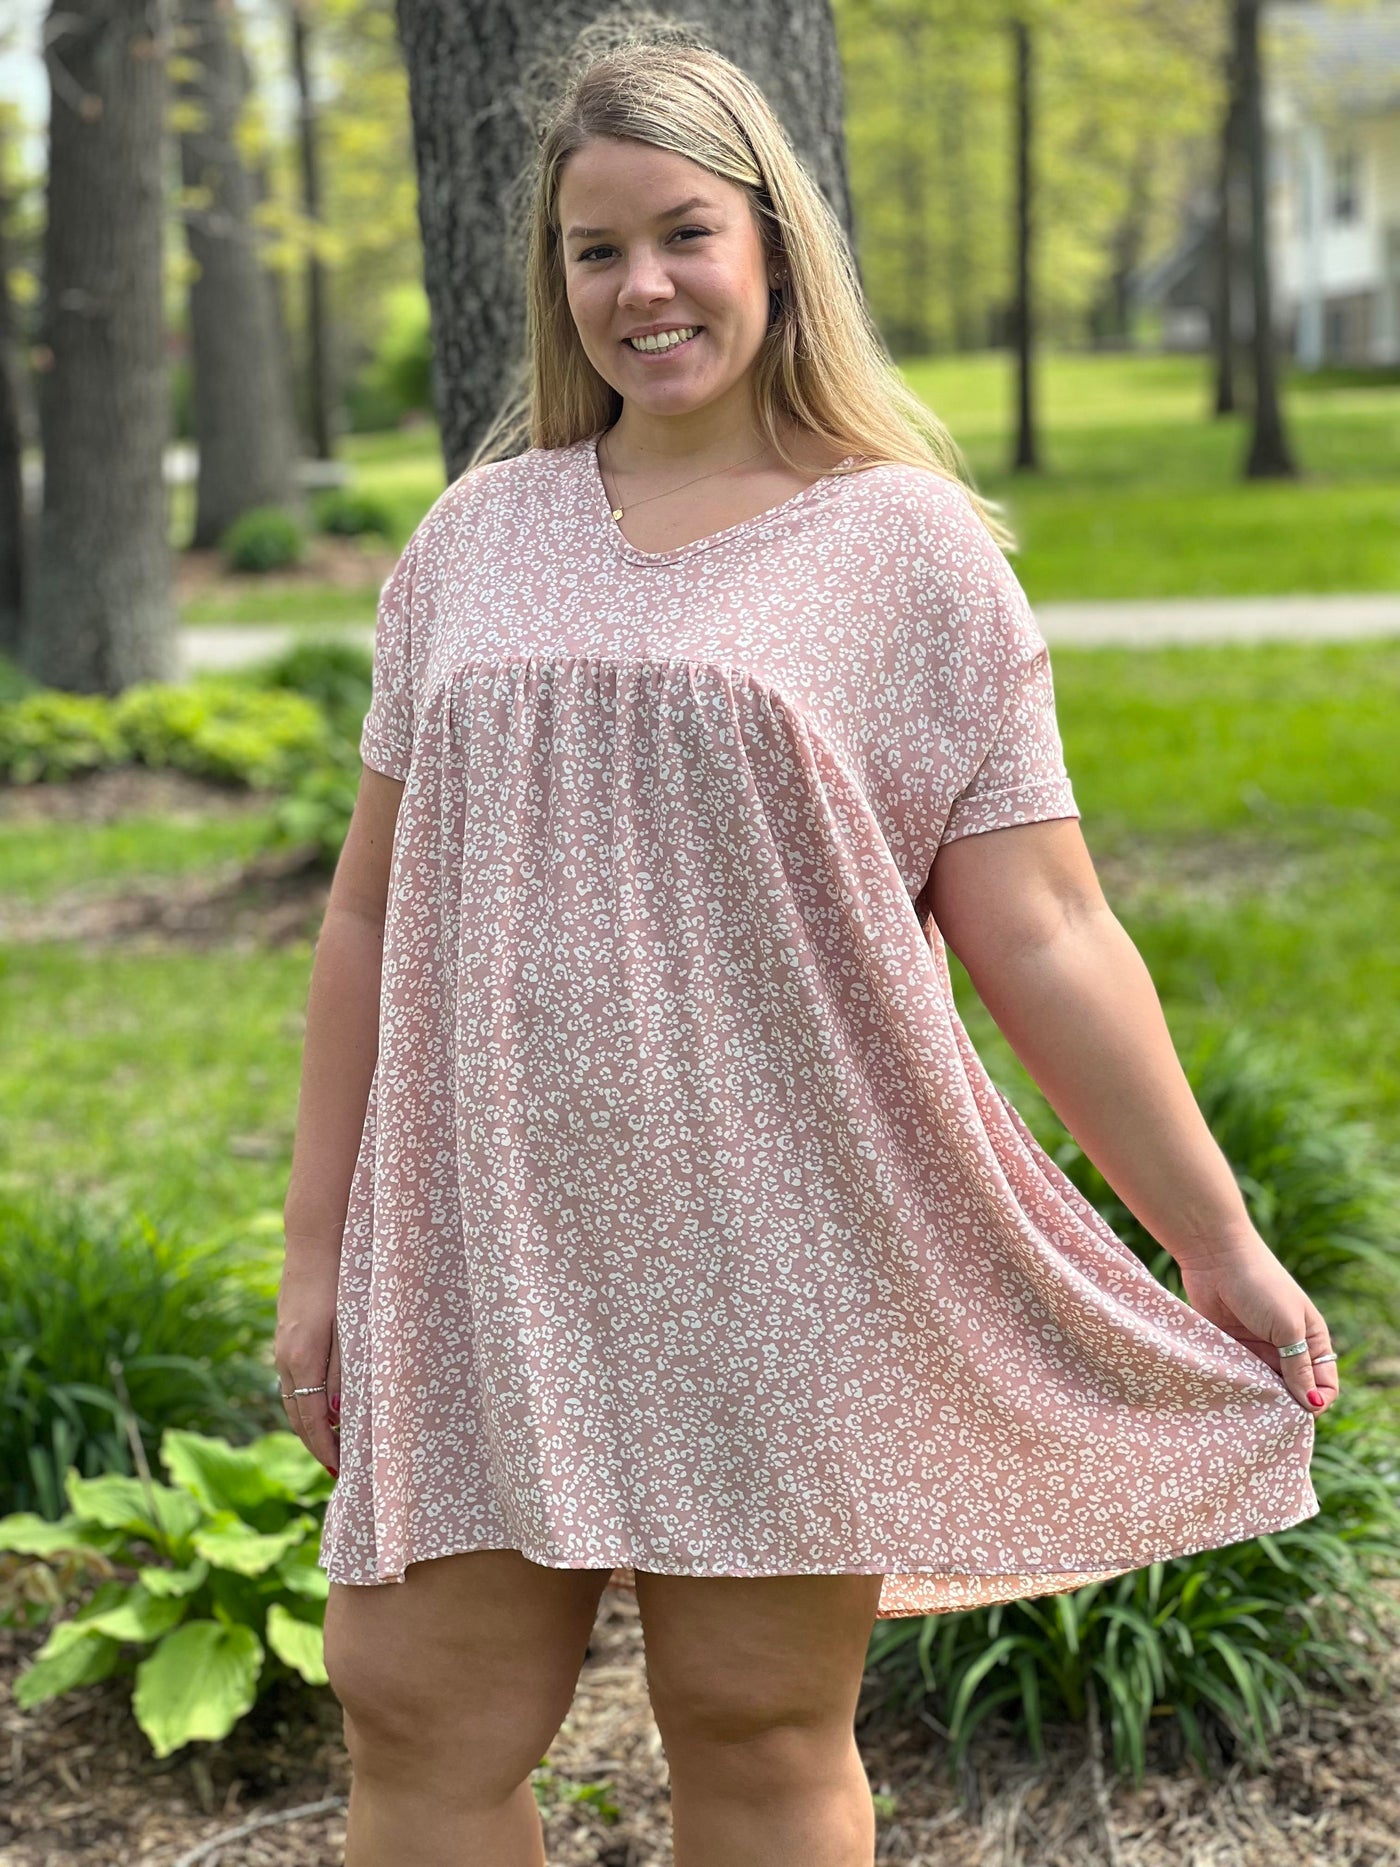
[
  {"x": 1023, "y": 910},
  {"x": 342, "y": 1027}
]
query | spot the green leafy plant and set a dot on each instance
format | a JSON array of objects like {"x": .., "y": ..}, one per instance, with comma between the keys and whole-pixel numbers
[
  {"x": 222, "y": 1584},
  {"x": 263, "y": 539},
  {"x": 334, "y": 673},
  {"x": 48, "y": 735},
  {"x": 349, "y": 513},
  {"x": 316, "y": 811},
  {"x": 223, "y": 728},
  {"x": 187, "y": 1323},
  {"x": 1217, "y": 1642}
]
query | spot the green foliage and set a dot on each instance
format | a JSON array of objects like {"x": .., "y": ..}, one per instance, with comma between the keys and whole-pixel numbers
[
  {"x": 262, "y": 539},
  {"x": 48, "y": 735},
  {"x": 316, "y": 812},
  {"x": 187, "y": 1322},
  {"x": 227, "y": 1596},
  {"x": 1217, "y": 1642},
  {"x": 336, "y": 674},
  {"x": 350, "y": 513},
  {"x": 399, "y": 379},
  {"x": 1315, "y": 1184},
  {"x": 221, "y": 727}
]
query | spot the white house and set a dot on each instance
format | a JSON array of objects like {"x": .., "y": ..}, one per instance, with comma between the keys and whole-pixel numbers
[{"x": 1332, "y": 117}]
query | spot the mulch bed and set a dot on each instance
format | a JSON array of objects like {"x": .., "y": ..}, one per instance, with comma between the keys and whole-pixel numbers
[{"x": 79, "y": 1786}]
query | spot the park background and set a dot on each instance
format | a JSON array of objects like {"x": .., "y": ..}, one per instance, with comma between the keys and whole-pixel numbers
[{"x": 1052, "y": 209}]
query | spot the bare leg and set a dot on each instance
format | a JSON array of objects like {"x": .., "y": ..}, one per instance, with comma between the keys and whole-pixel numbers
[
  {"x": 754, "y": 1682},
  {"x": 454, "y": 1684},
  {"x": 787, "y": 1799}
]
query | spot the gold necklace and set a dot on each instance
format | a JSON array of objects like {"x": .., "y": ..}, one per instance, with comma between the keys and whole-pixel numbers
[{"x": 618, "y": 510}]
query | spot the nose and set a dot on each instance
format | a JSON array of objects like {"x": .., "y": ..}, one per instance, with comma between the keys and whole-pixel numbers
[{"x": 646, "y": 278}]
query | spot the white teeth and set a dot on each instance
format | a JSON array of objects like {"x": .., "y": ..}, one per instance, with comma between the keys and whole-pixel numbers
[{"x": 665, "y": 340}]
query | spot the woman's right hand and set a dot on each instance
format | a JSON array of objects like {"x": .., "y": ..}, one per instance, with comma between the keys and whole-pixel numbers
[{"x": 307, "y": 1352}]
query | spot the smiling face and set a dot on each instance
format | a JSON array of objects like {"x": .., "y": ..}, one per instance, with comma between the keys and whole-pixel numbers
[{"x": 651, "y": 239}]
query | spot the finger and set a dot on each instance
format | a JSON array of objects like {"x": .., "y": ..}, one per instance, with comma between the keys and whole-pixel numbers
[
  {"x": 310, "y": 1415},
  {"x": 333, "y": 1385},
  {"x": 1297, "y": 1369}
]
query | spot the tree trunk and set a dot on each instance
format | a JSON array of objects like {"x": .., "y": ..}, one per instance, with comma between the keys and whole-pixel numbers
[
  {"x": 13, "y": 531},
  {"x": 471, "y": 143},
  {"x": 1027, "y": 446},
  {"x": 320, "y": 391},
  {"x": 243, "y": 427},
  {"x": 98, "y": 610},
  {"x": 1232, "y": 241},
  {"x": 1269, "y": 456}
]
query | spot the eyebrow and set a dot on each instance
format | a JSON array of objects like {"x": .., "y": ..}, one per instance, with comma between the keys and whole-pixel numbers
[{"x": 670, "y": 213}]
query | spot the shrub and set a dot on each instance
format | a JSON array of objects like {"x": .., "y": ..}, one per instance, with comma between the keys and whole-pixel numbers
[
  {"x": 316, "y": 811},
  {"x": 263, "y": 539},
  {"x": 223, "y": 728},
  {"x": 1219, "y": 1641},
  {"x": 1313, "y": 1181},
  {"x": 336, "y": 674},
  {"x": 227, "y": 1594},
  {"x": 347, "y": 513},
  {"x": 47, "y": 736},
  {"x": 188, "y": 1323}
]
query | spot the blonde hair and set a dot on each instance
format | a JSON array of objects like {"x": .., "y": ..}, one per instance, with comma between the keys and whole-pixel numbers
[{"x": 823, "y": 366}]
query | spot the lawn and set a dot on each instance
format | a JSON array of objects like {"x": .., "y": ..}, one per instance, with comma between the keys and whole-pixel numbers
[
  {"x": 1242, "y": 805},
  {"x": 1141, "y": 492}
]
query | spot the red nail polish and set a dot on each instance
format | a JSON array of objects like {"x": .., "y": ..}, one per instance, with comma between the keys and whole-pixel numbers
[
  {"x": 1314, "y": 1397},
  {"x": 334, "y": 1470},
  {"x": 335, "y": 1403}
]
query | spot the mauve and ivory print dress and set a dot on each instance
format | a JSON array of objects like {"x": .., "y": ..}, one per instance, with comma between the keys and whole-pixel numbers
[{"x": 688, "y": 1232}]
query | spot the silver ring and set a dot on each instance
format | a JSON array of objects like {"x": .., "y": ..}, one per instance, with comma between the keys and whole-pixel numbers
[
  {"x": 1320, "y": 1358},
  {"x": 1294, "y": 1348},
  {"x": 302, "y": 1390}
]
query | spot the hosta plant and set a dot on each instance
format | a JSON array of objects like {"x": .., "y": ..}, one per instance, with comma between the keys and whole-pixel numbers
[{"x": 212, "y": 1592}]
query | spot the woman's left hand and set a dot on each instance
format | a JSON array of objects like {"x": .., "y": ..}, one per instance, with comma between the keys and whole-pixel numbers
[{"x": 1246, "y": 1291}]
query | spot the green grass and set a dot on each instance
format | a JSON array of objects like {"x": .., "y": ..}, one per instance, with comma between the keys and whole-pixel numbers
[
  {"x": 1140, "y": 494},
  {"x": 166, "y": 1078},
  {"x": 41, "y": 859},
  {"x": 1242, "y": 805}
]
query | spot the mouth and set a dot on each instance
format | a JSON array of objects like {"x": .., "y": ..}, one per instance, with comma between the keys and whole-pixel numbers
[{"x": 669, "y": 350}]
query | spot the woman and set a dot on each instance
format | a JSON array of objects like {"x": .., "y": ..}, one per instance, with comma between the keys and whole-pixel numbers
[{"x": 648, "y": 1191}]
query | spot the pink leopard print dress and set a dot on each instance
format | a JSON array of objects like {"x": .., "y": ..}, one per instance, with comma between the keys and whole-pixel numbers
[{"x": 688, "y": 1232}]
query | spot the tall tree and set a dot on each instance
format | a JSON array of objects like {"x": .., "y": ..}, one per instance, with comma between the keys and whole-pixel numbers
[
  {"x": 472, "y": 143},
  {"x": 13, "y": 538},
  {"x": 242, "y": 415},
  {"x": 320, "y": 393},
  {"x": 1269, "y": 453},
  {"x": 98, "y": 611},
  {"x": 1027, "y": 446}
]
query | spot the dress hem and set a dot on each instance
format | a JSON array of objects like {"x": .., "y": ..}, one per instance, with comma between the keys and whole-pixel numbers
[{"x": 1062, "y": 1578}]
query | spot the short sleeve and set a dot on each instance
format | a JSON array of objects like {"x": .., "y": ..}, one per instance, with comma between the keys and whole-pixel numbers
[
  {"x": 1022, "y": 778},
  {"x": 386, "y": 739}
]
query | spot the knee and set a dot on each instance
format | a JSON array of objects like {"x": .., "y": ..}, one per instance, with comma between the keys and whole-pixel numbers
[
  {"x": 478, "y": 1737},
  {"x": 755, "y": 1731}
]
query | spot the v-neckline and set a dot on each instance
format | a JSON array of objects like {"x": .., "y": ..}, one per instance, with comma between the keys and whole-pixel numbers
[{"x": 602, "y": 505}]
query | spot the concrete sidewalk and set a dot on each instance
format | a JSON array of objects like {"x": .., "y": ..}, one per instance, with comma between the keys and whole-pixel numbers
[{"x": 1147, "y": 624}]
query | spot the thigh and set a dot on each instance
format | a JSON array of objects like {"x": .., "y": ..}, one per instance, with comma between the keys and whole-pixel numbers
[
  {"x": 733, "y": 1656},
  {"x": 485, "y": 1635}
]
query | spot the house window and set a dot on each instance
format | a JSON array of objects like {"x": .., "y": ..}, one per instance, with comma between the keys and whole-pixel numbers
[{"x": 1345, "y": 178}]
